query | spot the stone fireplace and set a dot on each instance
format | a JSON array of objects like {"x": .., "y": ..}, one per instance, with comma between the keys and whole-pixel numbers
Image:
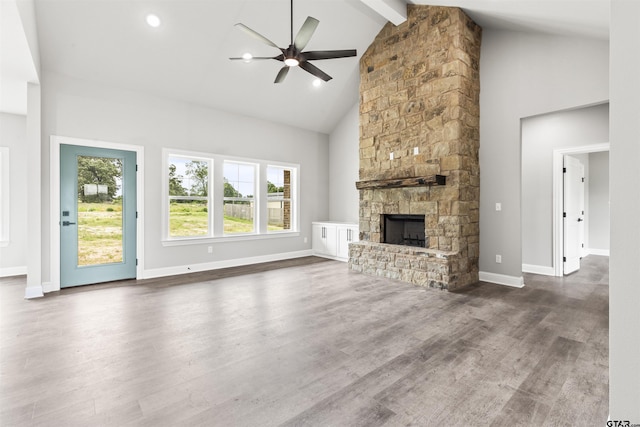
[{"x": 419, "y": 141}]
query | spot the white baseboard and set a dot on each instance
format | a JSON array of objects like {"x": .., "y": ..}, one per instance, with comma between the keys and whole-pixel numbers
[
  {"x": 538, "y": 269},
  {"x": 602, "y": 252},
  {"x": 215, "y": 265},
  {"x": 33, "y": 292},
  {"x": 335, "y": 258},
  {"x": 501, "y": 279},
  {"x": 13, "y": 271}
]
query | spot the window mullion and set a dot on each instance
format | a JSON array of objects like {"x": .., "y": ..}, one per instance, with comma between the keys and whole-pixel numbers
[
  {"x": 262, "y": 200},
  {"x": 218, "y": 197}
]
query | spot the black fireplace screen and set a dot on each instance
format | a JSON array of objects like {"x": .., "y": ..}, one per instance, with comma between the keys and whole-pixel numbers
[{"x": 405, "y": 230}]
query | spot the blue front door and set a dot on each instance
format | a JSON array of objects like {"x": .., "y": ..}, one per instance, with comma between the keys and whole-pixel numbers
[{"x": 98, "y": 215}]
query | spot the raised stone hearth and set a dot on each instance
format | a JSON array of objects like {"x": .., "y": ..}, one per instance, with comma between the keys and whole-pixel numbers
[{"x": 419, "y": 142}]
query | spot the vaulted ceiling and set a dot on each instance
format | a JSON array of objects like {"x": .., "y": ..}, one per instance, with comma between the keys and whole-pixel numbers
[{"x": 186, "y": 57}]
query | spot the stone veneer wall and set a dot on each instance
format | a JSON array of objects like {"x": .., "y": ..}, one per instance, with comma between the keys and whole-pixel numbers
[{"x": 420, "y": 87}]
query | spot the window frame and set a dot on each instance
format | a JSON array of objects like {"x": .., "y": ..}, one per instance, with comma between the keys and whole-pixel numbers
[
  {"x": 191, "y": 156},
  {"x": 216, "y": 199},
  {"x": 293, "y": 184},
  {"x": 5, "y": 197},
  {"x": 255, "y": 199}
]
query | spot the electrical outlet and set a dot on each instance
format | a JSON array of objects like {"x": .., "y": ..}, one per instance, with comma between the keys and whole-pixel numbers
[
  {"x": 391, "y": 156},
  {"x": 305, "y": 240},
  {"x": 498, "y": 206},
  {"x": 210, "y": 249},
  {"x": 498, "y": 259},
  {"x": 415, "y": 151}
]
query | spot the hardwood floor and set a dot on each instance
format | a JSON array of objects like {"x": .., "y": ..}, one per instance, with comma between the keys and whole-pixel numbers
[{"x": 305, "y": 342}]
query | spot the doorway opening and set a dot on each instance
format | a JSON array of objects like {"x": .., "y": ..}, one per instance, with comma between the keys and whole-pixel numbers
[
  {"x": 545, "y": 140},
  {"x": 575, "y": 225}
]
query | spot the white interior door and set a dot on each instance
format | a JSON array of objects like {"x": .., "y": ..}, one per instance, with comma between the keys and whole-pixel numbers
[{"x": 573, "y": 213}]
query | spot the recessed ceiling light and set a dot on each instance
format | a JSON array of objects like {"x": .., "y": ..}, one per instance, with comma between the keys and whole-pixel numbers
[
  {"x": 153, "y": 20},
  {"x": 247, "y": 57},
  {"x": 317, "y": 83}
]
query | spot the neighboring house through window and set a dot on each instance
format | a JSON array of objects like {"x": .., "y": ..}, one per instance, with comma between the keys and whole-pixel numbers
[{"x": 279, "y": 186}]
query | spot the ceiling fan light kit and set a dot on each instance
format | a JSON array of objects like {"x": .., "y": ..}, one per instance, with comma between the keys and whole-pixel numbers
[
  {"x": 291, "y": 62},
  {"x": 293, "y": 56}
]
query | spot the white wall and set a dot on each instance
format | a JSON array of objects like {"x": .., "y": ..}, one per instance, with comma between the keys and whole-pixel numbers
[
  {"x": 82, "y": 109},
  {"x": 26, "y": 9},
  {"x": 599, "y": 223},
  {"x": 344, "y": 160},
  {"x": 13, "y": 134},
  {"x": 541, "y": 135},
  {"x": 624, "y": 262},
  {"x": 523, "y": 75}
]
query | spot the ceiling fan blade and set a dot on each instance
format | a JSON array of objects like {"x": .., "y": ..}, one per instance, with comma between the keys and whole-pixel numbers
[
  {"x": 310, "y": 68},
  {"x": 305, "y": 33},
  {"x": 328, "y": 54},
  {"x": 256, "y": 35},
  {"x": 282, "y": 74},
  {"x": 259, "y": 58}
]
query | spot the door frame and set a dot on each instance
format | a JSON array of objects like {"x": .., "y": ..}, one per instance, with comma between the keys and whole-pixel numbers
[
  {"x": 54, "y": 200},
  {"x": 558, "y": 193}
]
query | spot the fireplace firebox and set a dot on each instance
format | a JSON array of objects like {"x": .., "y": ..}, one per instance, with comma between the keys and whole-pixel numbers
[{"x": 407, "y": 230}]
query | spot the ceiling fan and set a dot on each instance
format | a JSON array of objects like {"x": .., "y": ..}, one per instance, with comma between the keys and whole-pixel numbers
[{"x": 293, "y": 56}]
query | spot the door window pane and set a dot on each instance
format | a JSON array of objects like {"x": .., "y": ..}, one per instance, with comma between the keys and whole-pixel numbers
[{"x": 99, "y": 210}]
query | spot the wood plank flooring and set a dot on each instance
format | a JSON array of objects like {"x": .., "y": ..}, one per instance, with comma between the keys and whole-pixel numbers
[{"x": 306, "y": 343}]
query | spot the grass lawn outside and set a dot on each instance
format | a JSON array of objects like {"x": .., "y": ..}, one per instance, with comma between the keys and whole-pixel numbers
[
  {"x": 99, "y": 233},
  {"x": 188, "y": 219},
  {"x": 191, "y": 219},
  {"x": 100, "y": 228}
]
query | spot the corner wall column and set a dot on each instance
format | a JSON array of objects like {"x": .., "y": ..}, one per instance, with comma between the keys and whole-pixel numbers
[
  {"x": 624, "y": 290},
  {"x": 34, "y": 194}
]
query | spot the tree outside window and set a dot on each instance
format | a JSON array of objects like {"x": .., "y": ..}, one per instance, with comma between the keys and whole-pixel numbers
[{"x": 189, "y": 202}]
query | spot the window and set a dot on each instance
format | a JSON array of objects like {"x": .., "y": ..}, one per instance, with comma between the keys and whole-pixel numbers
[
  {"x": 279, "y": 212},
  {"x": 4, "y": 196},
  {"x": 210, "y": 198},
  {"x": 239, "y": 197},
  {"x": 188, "y": 195}
]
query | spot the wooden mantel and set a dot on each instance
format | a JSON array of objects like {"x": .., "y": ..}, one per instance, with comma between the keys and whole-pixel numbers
[{"x": 401, "y": 182}]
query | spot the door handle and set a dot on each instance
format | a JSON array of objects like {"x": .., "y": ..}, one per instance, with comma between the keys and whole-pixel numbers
[
  {"x": 66, "y": 223},
  {"x": 580, "y": 220}
]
